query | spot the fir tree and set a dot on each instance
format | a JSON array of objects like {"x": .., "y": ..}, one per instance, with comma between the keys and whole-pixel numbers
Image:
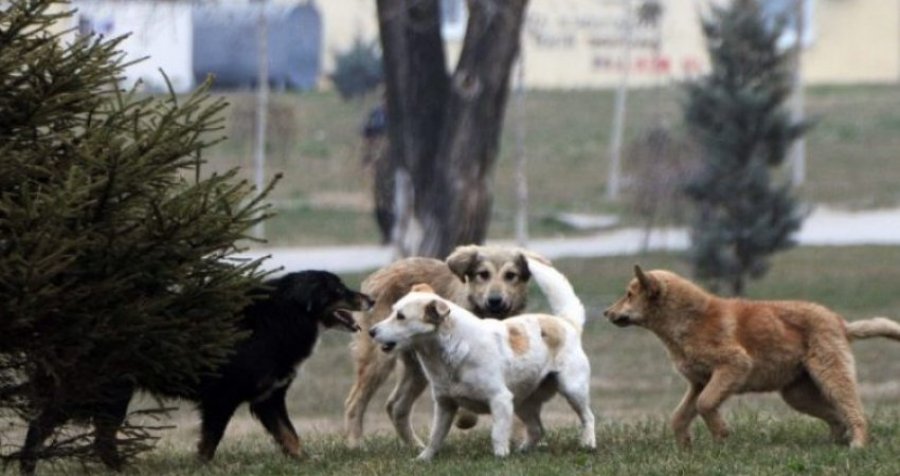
[
  {"x": 745, "y": 210},
  {"x": 115, "y": 253}
]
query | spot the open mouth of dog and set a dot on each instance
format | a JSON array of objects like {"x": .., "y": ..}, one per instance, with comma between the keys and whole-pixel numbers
[
  {"x": 388, "y": 346},
  {"x": 621, "y": 320},
  {"x": 344, "y": 318}
]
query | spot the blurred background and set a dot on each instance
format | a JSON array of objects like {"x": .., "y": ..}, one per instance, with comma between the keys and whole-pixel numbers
[{"x": 573, "y": 64}]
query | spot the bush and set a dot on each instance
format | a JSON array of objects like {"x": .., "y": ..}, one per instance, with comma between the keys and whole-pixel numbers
[{"x": 358, "y": 70}]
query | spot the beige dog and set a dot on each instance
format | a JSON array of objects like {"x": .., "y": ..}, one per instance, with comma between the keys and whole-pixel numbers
[
  {"x": 487, "y": 280},
  {"x": 729, "y": 346},
  {"x": 499, "y": 367}
]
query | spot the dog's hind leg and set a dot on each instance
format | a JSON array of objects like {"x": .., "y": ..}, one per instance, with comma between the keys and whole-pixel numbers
[
  {"x": 107, "y": 421},
  {"x": 39, "y": 430},
  {"x": 529, "y": 412},
  {"x": 804, "y": 396},
  {"x": 215, "y": 416},
  {"x": 576, "y": 390},
  {"x": 410, "y": 385},
  {"x": 273, "y": 415},
  {"x": 830, "y": 364},
  {"x": 372, "y": 368}
]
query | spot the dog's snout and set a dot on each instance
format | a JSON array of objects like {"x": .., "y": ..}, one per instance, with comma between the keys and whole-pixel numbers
[{"x": 495, "y": 301}]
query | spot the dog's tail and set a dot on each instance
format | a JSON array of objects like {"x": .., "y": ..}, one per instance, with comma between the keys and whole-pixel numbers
[
  {"x": 558, "y": 291},
  {"x": 875, "y": 327}
]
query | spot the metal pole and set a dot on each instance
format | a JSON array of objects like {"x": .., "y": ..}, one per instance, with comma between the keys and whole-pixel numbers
[
  {"x": 521, "y": 158},
  {"x": 262, "y": 106},
  {"x": 614, "y": 182},
  {"x": 798, "y": 161}
]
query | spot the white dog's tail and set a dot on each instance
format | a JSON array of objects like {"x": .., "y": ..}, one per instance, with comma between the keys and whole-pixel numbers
[
  {"x": 558, "y": 291},
  {"x": 875, "y": 327}
]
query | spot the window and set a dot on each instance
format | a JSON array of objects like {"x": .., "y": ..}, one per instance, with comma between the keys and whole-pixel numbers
[
  {"x": 453, "y": 19},
  {"x": 787, "y": 9}
]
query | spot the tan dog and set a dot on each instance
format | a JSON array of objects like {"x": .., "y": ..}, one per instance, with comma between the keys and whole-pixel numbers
[
  {"x": 487, "y": 280},
  {"x": 729, "y": 346}
]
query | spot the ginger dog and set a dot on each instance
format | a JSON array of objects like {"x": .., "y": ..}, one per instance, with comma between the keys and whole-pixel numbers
[
  {"x": 729, "y": 346},
  {"x": 499, "y": 367},
  {"x": 490, "y": 281}
]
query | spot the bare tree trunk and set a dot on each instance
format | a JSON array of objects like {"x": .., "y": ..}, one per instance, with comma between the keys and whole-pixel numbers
[{"x": 445, "y": 130}]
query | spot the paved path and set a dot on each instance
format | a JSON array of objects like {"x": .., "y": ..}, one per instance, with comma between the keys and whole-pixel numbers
[{"x": 825, "y": 227}]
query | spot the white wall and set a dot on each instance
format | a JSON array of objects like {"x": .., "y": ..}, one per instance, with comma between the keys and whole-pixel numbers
[{"x": 161, "y": 31}]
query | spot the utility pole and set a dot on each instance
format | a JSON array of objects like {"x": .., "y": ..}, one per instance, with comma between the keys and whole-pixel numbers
[
  {"x": 262, "y": 106},
  {"x": 798, "y": 159},
  {"x": 614, "y": 180}
]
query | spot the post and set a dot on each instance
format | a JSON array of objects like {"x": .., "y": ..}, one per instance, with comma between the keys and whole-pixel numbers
[
  {"x": 521, "y": 158},
  {"x": 798, "y": 155},
  {"x": 262, "y": 106},
  {"x": 613, "y": 184}
]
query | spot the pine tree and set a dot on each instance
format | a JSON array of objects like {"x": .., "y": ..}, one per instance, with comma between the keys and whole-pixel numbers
[
  {"x": 115, "y": 263},
  {"x": 745, "y": 210}
]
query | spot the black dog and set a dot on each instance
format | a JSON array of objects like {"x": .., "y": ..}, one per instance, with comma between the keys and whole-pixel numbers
[{"x": 284, "y": 325}]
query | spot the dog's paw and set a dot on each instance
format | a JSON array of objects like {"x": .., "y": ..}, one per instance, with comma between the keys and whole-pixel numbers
[
  {"x": 501, "y": 452},
  {"x": 425, "y": 456}
]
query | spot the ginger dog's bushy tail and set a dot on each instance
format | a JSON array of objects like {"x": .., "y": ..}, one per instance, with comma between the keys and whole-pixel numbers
[
  {"x": 875, "y": 327},
  {"x": 559, "y": 292}
]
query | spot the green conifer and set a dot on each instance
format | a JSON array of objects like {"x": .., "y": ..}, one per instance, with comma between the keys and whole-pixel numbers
[
  {"x": 114, "y": 249},
  {"x": 745, "y": 209}
]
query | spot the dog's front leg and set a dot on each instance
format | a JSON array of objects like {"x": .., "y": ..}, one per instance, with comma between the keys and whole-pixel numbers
[
  {"x": 502, "y": 413},
  {"x": 444, "y": 411},
  {"x": 685, "y": 414},
  {"x": 411, "y": 384},
  {"x": 725, "y": 381}
]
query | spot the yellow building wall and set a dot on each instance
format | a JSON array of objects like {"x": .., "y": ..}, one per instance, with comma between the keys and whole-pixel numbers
[
  {"x": 578, "y": 43},
  {"x": 855, "y": 41}
]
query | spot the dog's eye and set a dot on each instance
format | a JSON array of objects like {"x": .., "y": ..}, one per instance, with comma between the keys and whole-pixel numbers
[
  {"x": 510, "y": 276},
  {"x": 628, "y": 295},
  {"x": 484, "y": 275},
  {"x": 400, "y": 316}
]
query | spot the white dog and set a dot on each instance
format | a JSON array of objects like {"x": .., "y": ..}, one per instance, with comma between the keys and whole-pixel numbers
[{"x": 496, "y": 367}]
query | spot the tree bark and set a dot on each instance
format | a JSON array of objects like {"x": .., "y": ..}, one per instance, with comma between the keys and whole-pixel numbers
[{"x": 445, "y": 130}]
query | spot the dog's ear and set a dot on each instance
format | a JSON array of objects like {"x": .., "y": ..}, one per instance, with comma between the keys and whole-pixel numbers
[
  {"x": 536, "y": 256},
  {"x": 421, "y": 288},
  {"x": 462, "y": 260},
  {"x": 436, "y": 311},
  {"x": 648, "y": 283},
  {"x": 522, "y": 264}
]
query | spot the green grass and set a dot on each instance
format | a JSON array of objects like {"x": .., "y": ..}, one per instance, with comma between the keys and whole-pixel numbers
[
  {"x": 634, "y": 389},
  {"x": 314, "y": 141},
  {"x": 759, "y": 445}
]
